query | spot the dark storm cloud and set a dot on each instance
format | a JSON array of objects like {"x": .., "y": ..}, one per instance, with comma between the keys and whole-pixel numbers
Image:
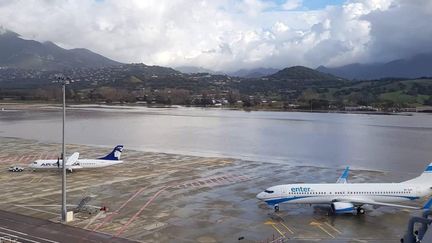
[{"x": 403, "y": 30}]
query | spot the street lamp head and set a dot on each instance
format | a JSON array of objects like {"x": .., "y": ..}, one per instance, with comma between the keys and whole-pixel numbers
[{"x": 63, "y": 79}]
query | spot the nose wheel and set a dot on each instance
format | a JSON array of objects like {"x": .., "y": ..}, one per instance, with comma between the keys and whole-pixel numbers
[
  {"x": 360, "y": 210},
  {"x": 276, "y": 208}
]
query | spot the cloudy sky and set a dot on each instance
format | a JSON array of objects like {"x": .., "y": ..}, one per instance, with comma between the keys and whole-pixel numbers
[{"x": 229, "y": 34}]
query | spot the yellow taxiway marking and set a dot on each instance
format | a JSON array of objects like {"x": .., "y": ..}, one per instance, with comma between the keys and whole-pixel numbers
[
  {"x": 269, "y": 222},
  {"x": 273, "y": 224},
  {"x": 313, "y": 223},
  {"x": 278, "y": 230},
  {"x": 332, "y": 227},
  {"x": 286, "y": 227},
  {"x": 36, "y": 179}
]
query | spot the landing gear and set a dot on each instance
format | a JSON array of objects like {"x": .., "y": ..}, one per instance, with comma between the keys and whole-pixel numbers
[
  {"x": 360, "y": 210},
  {"x": 276, "y": 208}
]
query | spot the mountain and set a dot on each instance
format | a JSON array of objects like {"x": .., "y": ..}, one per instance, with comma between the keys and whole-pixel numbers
[
  {"x": 193, "y": 69},
  {"x": 145, "y": 71},
  {"x": 16, "y": 52},
  {"x": 414, "y": 67},
  {"x": 254, "y": 73},
  {"x": 302, "y": 73}
]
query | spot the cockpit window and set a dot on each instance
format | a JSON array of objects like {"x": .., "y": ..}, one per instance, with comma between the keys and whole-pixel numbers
[
  {"x": 269, "y": 191},
  {"x": 35, "y": 163}
]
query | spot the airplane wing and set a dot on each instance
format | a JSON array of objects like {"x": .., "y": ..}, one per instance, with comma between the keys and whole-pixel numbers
[
  {"x": 72, "y": 159},
  {"x": 373, "y": 202},
  {"x": 344, "y": 177}
]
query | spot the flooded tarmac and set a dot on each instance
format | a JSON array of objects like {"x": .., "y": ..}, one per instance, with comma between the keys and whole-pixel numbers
[{"x": 159, "y": 197}]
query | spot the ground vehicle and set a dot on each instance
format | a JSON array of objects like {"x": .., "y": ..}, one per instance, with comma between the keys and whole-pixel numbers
[{"x": 16, "y": 169}]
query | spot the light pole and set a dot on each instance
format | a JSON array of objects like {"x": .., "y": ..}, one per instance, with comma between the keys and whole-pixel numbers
[{"x": 63, "y": 80}]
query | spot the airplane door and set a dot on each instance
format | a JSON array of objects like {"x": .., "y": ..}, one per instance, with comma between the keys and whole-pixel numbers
[
  {"x": 284, "y": 190},
  {"x": 417, "y": 190}
]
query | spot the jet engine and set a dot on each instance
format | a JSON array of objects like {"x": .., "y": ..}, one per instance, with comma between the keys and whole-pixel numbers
[{"x": 343, "y": 207}]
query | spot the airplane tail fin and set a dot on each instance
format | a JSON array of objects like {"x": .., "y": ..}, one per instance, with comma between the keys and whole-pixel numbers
[
  {"x": 424, "y": 178},
  {"x": 115, "y": 154}
]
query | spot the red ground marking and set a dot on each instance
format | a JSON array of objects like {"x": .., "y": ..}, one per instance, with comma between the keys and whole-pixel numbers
[
  {"x": 106, "y": 219},
  {"x": 20, "y": 159},
  {"x": 26, "y": 158},
  {"x": 139, "y": 212},
  {"x": 228, "y": 179}
]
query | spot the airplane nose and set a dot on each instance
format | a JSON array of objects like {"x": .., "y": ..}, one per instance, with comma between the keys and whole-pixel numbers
[{"x": 260, "y": 196}]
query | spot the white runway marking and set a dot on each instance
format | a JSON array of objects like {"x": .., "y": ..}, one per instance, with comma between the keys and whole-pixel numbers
[
  {"x": 34, "y": 209},
  {"x": 22, "y": 233}
]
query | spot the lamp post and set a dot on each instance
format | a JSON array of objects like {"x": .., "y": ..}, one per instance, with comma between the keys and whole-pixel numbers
[{"x": 64, "y": 81}]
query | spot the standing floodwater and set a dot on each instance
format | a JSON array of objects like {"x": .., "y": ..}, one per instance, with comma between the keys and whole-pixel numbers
[{"x": 392, "y": 143}]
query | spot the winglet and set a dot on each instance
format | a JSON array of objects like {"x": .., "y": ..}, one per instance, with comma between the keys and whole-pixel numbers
[
  {"x": 428, "y": 204},
  {"x": 344, "y": 177}
]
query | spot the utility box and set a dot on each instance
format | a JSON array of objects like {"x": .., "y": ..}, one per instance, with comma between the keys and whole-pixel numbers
[{"x": 69, "y": 216}]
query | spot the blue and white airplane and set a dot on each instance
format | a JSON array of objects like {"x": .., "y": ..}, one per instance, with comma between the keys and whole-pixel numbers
[
  {"x": 344, "y": 197},
  {"x": 74, "y": 162}
]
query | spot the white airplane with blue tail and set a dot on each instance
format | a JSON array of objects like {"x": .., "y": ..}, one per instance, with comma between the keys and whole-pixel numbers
[
  {"x": 344, "y": 197},
  {"x": 74, "y": 162}
]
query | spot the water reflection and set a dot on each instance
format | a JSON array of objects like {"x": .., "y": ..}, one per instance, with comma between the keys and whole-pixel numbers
[{"x": 363, "y": 141}]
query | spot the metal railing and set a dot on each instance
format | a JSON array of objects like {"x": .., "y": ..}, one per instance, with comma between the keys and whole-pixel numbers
[
  {"x": 6, "y": 239},
  {"x": 418, "y": 229}
]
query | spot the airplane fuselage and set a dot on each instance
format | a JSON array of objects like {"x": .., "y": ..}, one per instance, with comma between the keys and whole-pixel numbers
[
  {"x": 80, "y": 164},
  {"x": 326, "y": 193}
]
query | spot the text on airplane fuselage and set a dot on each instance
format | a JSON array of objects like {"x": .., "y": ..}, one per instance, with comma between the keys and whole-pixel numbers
[
  {"x": 48, "y": 164},
  {"x": 55, "y": 164},
  {"x": 300, "y": 189}
]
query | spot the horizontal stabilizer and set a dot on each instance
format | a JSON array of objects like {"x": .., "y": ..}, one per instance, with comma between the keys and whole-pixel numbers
[
  {"x": 72, "y": 159},
  {"x": 372, "y": 202}
]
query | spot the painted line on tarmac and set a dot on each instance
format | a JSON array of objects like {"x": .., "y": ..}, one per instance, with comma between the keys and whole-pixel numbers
[
  {"x": 332, "y": 227},
  {"x": 286, "y": 227},
  {"x": 273, "y": 224},
  {"x": 74, "y": 189},
  {"x": 38, "y": 210},
  {"x": 278, "y": 230},
  {"x": 17, "y": 237},
  {"x": 314, "y": 223},
  {"x": 20, "y": 159},
  {"x": 141, "y": 209},
  {"x": 120, "y": 208},
  {"x": 93, "y": 219},
  {"x": 22, "y": 233}
]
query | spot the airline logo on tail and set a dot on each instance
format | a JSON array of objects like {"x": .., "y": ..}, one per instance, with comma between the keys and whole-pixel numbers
[
  {"x": 115, "y": 154},
  {"x": 428, "y": 169}
]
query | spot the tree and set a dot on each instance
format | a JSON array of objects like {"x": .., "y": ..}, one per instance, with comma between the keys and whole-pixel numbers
[{"x": 428, "y": 101}]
